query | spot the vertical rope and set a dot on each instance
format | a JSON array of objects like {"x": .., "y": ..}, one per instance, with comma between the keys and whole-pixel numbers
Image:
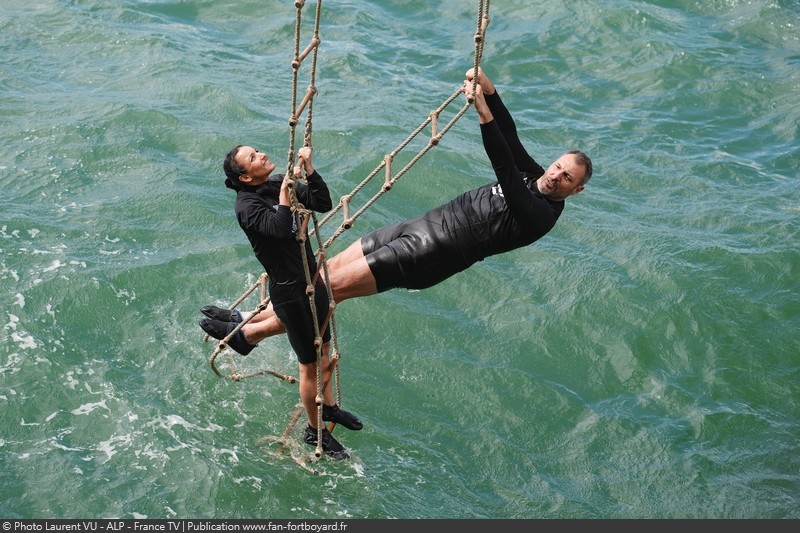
[
  {"x": 302, "y": 215},
  {"x": 480, "y": 39}
]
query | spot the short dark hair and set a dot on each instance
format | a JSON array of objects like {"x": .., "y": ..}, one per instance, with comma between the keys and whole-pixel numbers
[
  {"x": 584, "y": 160},
  {"x": 232, "y": 169}
]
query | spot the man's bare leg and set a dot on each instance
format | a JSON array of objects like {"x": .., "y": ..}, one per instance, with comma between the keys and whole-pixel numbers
[{"x": 350, "y": 277}]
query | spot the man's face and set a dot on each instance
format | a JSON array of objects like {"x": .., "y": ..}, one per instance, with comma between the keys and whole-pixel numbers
[{"x": 562, "y": 178}]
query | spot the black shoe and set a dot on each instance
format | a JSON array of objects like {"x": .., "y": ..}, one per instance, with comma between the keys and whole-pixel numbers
[
  {"x": 332, "y": 413},
  {"x": 331, "y": 446},
  {"x": 219, "y": 330},
  {"x": 218, "y": 313}
]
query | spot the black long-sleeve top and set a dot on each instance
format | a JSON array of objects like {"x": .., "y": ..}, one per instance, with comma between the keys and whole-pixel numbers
[
  {"x": 490, "y": 220},
  {"x": 271, "y": 230},
  {"x": 498, "y": 217}
]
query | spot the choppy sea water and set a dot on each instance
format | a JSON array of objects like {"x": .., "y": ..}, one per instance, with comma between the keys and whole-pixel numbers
[{"x": 640, "y": 361}]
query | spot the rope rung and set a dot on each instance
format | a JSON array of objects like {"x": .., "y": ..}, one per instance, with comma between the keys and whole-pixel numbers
[
  {"x": 434, "y": 116},
  {"x": 311, "y": 46},
  {"x": 387, "y": 180},
  {"x": 310, "y": 92}
]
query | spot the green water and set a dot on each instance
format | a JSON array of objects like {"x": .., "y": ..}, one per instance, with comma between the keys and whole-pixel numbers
[{"x": 640, "y": 361}]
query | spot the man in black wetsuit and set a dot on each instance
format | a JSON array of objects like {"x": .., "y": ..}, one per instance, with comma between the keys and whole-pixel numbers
[{"x": 516, "y": 210}]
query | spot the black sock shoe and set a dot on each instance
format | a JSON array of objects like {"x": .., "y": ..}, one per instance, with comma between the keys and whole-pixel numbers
[
  {"x": 332, "y": 413},
  {"x": 218, "y": 313},
  {"x": 330, "y": 446},
  {"x": 219, "y": 330}
]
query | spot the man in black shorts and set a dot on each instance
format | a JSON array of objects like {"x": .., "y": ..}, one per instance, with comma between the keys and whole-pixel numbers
[{"x": 516, "y": 210}]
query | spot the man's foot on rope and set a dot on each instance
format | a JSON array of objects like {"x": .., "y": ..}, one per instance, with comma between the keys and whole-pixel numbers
[
  {"x": 218, "y": 313},
  {"x": 219, "y": 330},
  {"x": 332, "y": 413},
  {"x": 331, "y": 446}
]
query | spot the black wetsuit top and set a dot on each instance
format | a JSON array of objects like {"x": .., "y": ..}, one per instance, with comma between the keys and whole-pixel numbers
[
  {"x": 495, "y": 218},
  {"x": 272, "y": 229}
]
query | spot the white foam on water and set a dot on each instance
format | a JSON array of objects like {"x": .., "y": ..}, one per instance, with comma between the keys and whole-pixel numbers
[
  {"x": 109, "y": 447},
  {"x": 87, "y": 408},
  {"x": 24, "y": 340}
]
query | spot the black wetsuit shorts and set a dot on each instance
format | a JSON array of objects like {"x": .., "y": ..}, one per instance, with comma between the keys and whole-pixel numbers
[
  {"x": 414, "y": 254},
  {"x": 296, "y": 318}
]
